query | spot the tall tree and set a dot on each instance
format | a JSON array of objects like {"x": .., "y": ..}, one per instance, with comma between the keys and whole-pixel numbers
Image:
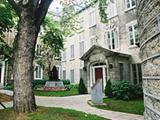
[
  {"x": 51, "y": 44},
  {"x": 6, "y": 23},
  {"x": 31, "y": 14}
]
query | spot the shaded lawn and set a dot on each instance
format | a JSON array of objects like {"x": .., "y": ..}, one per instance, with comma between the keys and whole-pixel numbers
[
  {"x": 134, "y": 107},
  {"x": 72, "y": 91},
  {"x": 5, "y": 98},
  {"x": 43, "y": 113}
]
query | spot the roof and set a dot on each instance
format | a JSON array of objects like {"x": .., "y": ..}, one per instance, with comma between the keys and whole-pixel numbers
[{"x": 110, "y": 52}]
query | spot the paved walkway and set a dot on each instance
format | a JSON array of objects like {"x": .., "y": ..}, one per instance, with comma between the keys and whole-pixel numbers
[{"x": 80, "y": 103}]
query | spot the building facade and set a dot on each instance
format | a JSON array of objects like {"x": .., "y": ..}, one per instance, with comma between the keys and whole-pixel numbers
[
  {"x": 149, "y": 22},
  {"x": 6, "y": 75},
  {"x": 107, "y": 51}
]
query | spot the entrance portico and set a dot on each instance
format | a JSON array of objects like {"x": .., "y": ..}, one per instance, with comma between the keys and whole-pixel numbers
[{"x": 101, "y": 63}]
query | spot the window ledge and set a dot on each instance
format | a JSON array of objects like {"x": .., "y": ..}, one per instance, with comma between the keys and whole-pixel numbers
[
  {"x": 72, "y": 59},
  {"x": 131, "y": 8},
  {"x": 94, "y": 25},
  {"x": 112, "y": 16},
  {"x": 132, "y": 46}
]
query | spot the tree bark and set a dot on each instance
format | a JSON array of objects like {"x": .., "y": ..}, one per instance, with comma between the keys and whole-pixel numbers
[
  {"x": 24, "y": 100},
  {"x": 31, "y": 14}
]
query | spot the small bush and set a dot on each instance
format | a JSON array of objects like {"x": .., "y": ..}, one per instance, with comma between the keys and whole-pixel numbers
[
  {"x": 8, "y": 87},
  {"x": 125, "y": 90},
  {"x": 82, "y": 88},
  {"x": 66, "y": 82},
  {"x": 36, "y": 83},
  {"x": 108, "y": 89}
]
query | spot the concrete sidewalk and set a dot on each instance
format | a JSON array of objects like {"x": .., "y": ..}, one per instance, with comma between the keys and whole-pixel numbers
[{"x": 79, "y": 103}]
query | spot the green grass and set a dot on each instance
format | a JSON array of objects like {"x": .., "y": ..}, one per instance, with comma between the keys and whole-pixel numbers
[
  {"x": 43, "y": 113},
  {"x": 134, "y": 107},
  {"x": 72, "y": 91}
]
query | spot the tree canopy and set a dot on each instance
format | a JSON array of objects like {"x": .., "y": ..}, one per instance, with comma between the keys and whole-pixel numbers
[{"x": 7, "y": 22}]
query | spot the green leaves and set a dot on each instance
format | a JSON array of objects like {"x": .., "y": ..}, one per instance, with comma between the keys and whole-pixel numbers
[
  {"x": 102, "y": 10},
  {"x": 53, "y": 36}
]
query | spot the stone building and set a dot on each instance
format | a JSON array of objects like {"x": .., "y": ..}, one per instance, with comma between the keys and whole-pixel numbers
[
  {"x": 149, "y": 22},
  {"x": 6, "y": 75},
  {"x": 106, "y": 51}
]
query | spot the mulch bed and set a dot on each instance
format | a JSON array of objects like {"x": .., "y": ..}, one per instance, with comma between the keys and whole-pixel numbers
[{"x": 5, "y": 98}]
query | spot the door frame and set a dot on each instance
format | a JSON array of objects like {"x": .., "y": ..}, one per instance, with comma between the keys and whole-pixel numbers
[{"x": 92, "y": 75}]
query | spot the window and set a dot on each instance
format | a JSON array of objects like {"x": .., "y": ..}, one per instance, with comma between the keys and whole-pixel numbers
[
  {"x": 112, "y": 39},
  {"x": 137, "y": 73},
  {"x": 94, "y": 41},
  {"x": 64, "y": 74},
  {"x": 81, "y": 48},
  {"x": 133, "y": 34},
  {"x": 72, "y": 76},
  {"x": 92, "y": 31},
  {"x": 130, "y": 4},
  {"x": 38, "y": 72},
  {"x": 81, "y": 23},
  {"x": 64, "y": 56},
  {"x": 38, "y": 50},
  {"x": 121, "y": 68},
  {"x": 81, "y": 36},
  {"x": 59, "y": 72},
  {"x": 112, "y": 9},
  {"x": 92, "y": 18},
  {"x": 72, "y": 51}
]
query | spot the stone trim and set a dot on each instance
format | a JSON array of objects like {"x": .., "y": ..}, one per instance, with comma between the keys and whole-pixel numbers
[
  {"x": 151, "y": 77},
  {"x": 151, "y": 57}
]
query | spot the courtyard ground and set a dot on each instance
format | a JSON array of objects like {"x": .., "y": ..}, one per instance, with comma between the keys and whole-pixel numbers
[{"x": 79, "y": 103}]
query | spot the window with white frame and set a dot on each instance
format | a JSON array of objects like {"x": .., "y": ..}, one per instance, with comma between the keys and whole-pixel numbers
[
  {"x": 72, "y": 51},
  {"x": 94, "y": 41},
  {"x": 111, "y": 9},
  {"x": 72, "y": 76},
  {"x": 130, "y": 4},
  {"x": 38, "y": 50},
  {"x": 81, "y": 36},
  {"x": 81, "y": 48},
  {"x": 133, "y": 34},
  {"x": 58, "y": 69},
  {"x": 112, "y": 39},
  {"x": 38, "y": 73},
  {"x": 92, "y": 31},
  {"x": 92, "y": 18},
  {"x": 64, "y": 74},
  {"x": 64, "y": 55},
  {"x": 137, "y": 73},
  {"x": 81, "y": 22}
]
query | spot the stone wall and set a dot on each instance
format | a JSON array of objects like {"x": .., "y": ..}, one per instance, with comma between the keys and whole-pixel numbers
[{"x": 148, "y": 12}]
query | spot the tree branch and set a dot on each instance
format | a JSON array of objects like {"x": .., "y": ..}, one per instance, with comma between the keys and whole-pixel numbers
[
  {"x": 15, "y": 7},
  {"x": 41, "y": 11}
]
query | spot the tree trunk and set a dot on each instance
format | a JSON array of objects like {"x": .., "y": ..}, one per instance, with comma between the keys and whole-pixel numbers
[{"x": 24, "y": 100}]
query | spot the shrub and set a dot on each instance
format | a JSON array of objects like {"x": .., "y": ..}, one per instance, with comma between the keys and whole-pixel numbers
[
  {"x": 108, "y": 89},
  {"x": 66, "y": 82},
  {"x": 82, "y": 88},
  {"x": 125, "y": 90},
  {"x": 36, "y": 83},
  {"x": 8, "y": 87}
]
